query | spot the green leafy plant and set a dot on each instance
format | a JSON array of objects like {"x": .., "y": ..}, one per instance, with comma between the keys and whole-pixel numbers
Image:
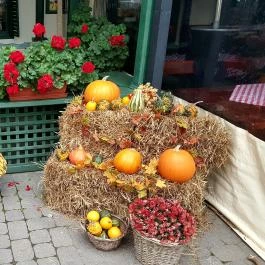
[{"x": 104, "y": 42}]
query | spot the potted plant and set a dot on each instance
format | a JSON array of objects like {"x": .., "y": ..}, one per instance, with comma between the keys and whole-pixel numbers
[
  {"x": 48, "y": 66},
  {"x": 45, "y": 68},
  {"x": 160, "y": 228}
]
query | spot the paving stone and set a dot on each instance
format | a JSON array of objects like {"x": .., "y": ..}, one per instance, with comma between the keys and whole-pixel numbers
[
  {"x": 11, "y": 203},
  {"x": 17, "y": 230},
  {"x": 2, "y": 216},
  {"x": 44, "y": 250},
  {"x": 22, "y": 194},
  {"x": 210, "y": 239},
  {"x": 30, "y": 213},
  {"x": 69, "y": 256},
  {"x": 48, "y": 261},
  {"x": 8, "y": 191},
  {"x": 4, "y": 241},
  {"x": 5, "y": 256},
  {"x": 60, "y": 237},
  {"x": 240, "y": 262},
  {"x": 14, "y": 215},
  {"x": 31, "y": 202},
  {"x": 3, "y": 228},
  {"x": 228, "y": 253},
  {"x": 22, "y": 250},
  {"x": 40, "y": 236},
  {"x": 28, "y": 262},
  {"x": 61, "y": 220},
  {"x": 46, "y": 211},
  {"x": 211, "y": 261},
  {"x": 40, "y": 223}
]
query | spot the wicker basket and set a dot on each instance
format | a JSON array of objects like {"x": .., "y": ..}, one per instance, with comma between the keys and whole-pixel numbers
[
  {"x": 151, "y": 252},
  {"x": 108, "y": 244}
]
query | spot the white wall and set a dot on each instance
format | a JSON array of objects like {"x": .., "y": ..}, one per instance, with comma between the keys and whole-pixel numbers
[{"x": 202, "y": 12}]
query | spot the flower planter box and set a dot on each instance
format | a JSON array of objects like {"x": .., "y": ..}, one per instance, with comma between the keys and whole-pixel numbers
[
  {"x": 28, "y": 94},
  {"x": 28, "y": 132}
]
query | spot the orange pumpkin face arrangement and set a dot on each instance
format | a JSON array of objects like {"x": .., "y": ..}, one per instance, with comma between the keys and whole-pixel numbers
[
  {"x": 101, "y": 90},
  {"x": 176, "y": 165},
  {"x": 128, "y": 161}
]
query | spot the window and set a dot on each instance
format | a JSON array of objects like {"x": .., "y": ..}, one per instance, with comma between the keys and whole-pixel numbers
[{"x": 9, "y": 22}]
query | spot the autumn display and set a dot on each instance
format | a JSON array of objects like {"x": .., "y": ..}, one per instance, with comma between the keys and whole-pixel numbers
[{"x": 113, "y": 150}]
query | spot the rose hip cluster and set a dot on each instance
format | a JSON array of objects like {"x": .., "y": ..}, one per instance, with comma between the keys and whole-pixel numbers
[{"x": 162, "y": 219}]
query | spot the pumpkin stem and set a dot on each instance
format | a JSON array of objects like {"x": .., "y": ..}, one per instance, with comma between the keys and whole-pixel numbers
[
  {"x": 177, "y": 147},
  {"x": 105, "y": 78}
]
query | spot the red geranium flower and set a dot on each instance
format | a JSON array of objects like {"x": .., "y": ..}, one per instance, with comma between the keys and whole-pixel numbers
[
  {"x": 117, "y": 40},
  {"x": 12, "y": 90},
  {"x": 88, "y": 67},
  {"x": 39, "y": 30},
  {"x": 16, "y": 57},
  {"x": 84, "y": 28},
  {"x": 58, "y": 42},
  {"x": 11, "y": 73},
  {"x": 45, "y": 83},
  {"x": 74, "y": 43}
]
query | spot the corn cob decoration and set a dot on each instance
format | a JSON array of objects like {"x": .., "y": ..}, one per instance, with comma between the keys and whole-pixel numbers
[{"x": 3, "y": 165}]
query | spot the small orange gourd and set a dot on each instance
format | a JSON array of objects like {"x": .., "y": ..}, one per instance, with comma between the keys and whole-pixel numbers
[
  {"x": 101, "y": 90},
  {"x": 79, "y": 156},
  {"x": 128, "y": 161},
  {"x": 176, "y": 165}
]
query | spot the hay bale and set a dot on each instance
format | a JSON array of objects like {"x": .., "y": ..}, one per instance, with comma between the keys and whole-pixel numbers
[{"x": 105, "y": 133}]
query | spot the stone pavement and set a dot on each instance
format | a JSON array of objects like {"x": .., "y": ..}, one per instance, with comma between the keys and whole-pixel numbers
[{"x": 32, "y": 234}]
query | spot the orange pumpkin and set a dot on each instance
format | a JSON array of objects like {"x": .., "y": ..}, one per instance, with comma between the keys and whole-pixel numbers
[
  {"x": 79, "y": 157},
  {"x": 101, "y": 90},
  {"x": 128, "y": 161},
  {"x": 176, "y": 165}
]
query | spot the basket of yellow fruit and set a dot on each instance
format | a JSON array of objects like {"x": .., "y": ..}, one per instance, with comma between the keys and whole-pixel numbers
[{"x": 105, "y": 230}]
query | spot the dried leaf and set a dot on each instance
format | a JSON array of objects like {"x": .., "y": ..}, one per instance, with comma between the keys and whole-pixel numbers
[
  {"x": 160, "y": 183},
  {"x": 142, "y": 194},
  {"x": 71, "y": 170},
  {"x": 137, "y": 136},
  {"x": 107, "y": 139},
  {"x": 182, "y": 122},
  {"x": 75, "y": 109},
  {"x": 125, "y": 144},
  {"x": 62, "y": 155},
  {"x": 111, "y": 176},
  {"x": 191, "y": 141},
  {"x": 150, "y": 169},
  {"x": 85, "y": 131},
  {"x": 95, "y": 136},
  {"x": 199, "y": 161},
  {"x": 138, "y": 185}
]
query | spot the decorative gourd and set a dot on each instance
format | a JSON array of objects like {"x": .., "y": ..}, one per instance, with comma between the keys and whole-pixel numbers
[
  {"x": 128, "y": 161},
  {"x": 137, "y": 102},
  {"x": 79, "y": 157},
  {"x": 101, "y": 89},
  {"x": 176, "y": 165},
  {"x": 3, "y": 165}
]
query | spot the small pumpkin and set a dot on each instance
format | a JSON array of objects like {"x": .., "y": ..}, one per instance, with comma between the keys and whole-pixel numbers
[
  {"x": 79, "y": 157},
  {"x": 128, "y": 161},
  {"x": 176, "y": 165},
  {"x": 137, "y": 102},
  {"x": 101, "y": 90}
]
